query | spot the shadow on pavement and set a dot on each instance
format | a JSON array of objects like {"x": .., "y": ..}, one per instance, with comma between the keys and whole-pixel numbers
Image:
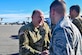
[
  {"x": 14, "y": 37},
  {"x": 15, "y": 54}
]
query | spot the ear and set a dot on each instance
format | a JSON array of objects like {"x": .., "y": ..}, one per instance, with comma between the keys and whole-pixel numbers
[
  {"x": 73, "y": 11},
  {"x": 53, "y": 12}
]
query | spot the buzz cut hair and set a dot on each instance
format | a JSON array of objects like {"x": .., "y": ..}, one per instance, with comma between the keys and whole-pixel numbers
[
  {"x": 58, "y": 6},
  {"x": 35, "y": 11}
]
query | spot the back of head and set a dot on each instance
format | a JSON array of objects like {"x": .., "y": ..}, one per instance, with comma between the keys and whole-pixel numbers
[
  {"x": 76, "y": 8},
  {"x": 59, "y": 6}
]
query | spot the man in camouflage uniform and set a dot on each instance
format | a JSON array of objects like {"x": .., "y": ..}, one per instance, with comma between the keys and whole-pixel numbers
[
  {"x": 75, "y": 18},
  {"x": 34, "y": 38}
]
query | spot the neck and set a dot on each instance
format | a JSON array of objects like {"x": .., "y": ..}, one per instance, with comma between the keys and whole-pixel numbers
[
  {"x": 37, "y": 26},
  {"x": 57, "y": 18}
]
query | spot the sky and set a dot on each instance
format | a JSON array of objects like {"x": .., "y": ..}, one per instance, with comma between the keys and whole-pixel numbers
[{"x": 19, "y": 10}]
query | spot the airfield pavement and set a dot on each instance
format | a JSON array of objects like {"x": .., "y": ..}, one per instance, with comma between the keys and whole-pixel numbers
[{"x": 9, "y": 42}]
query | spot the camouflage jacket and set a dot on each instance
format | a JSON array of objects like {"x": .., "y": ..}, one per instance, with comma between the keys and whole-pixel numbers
[
  {"x": 33, "y": 40},
  {"x": 78, "y": 23},
  {"x": 62, "y": 31}
]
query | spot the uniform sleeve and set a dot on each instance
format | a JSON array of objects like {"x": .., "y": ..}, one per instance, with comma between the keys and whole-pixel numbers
[
  {"x": 47, "y": 37},
  {"x": 78, "y": 24},
  {"x": 24, "y": 47},
  {"x": 59, "y": 43}
]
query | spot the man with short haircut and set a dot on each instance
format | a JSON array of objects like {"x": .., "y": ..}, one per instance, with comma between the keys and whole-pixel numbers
[
  {"x": 75, "y": 18},
  {"x": 66, "y": 38}
]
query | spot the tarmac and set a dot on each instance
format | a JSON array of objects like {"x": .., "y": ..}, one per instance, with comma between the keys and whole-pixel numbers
[{"x": 9, "y": 42}]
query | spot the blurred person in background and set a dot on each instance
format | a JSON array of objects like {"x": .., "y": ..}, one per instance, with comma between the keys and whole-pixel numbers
[{"x": 75, "y": 17}]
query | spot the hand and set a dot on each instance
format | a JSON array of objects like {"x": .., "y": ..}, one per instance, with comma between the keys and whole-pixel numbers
[{"x": 45, "y": 52}]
